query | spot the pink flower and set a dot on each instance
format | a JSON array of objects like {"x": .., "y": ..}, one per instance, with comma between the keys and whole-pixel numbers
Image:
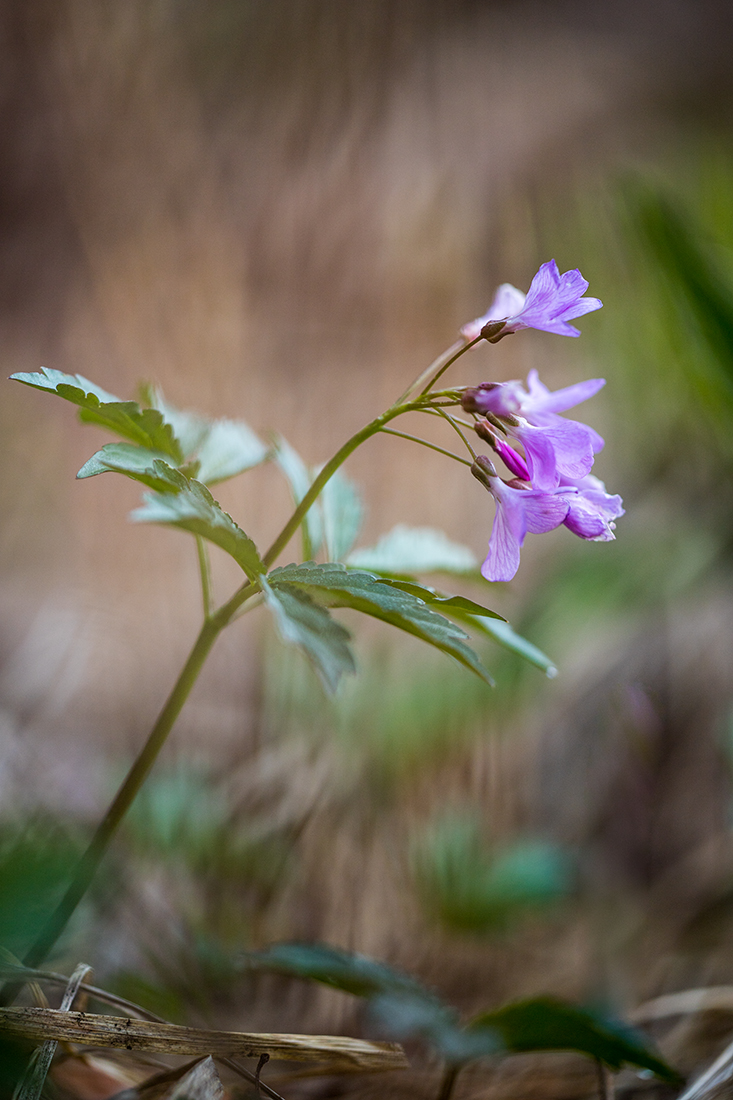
[
  {"x": 591, "y": 510},
  {"x": 550, "y": 303},
  {"x": 519, "y": 511}
]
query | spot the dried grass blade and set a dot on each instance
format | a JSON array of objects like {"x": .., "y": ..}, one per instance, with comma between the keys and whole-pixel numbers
[
  {"x": 31, "y": 1085},
  {"x": 25, "y": 974},
  {"x": 143, "y": 1035}
]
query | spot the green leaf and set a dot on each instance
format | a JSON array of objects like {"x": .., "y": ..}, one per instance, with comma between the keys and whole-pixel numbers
[
  {"x": 222, "y": 448},
  {"x": 470, "y": 888},
  {"x": 192, "y": 508},
  {"x": 344, "y": 970},
  {"x": 435, "y": 599},
  {"x": 398, "y": 1004},
  {"x": 508, "y": 638},
  {"x": 545, "y": 1023},
  {"x": 229, "y": 448},
  {"x": 135, "y": 462},
  {"x": 146, "y": 427},
  {"x": 689, "y": 267},
  {"x": 336, "y": 586},
  {"x": 343, "y": 511},
  {"x": 406, "y": 551},
  {"x": 302, "y": 622},
  {"x": 299, "y": 478}
]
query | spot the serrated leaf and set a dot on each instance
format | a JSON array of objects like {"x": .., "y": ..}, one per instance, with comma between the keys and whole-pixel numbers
[
  {"x": 436, "y": 599},
  {"x": 506, "y": 636},
  {"x": 299, "y": 479},
  {"x": 302, "y": 622},
  {"x": 146, "y": 427},
  {"x": 407, "y": 551},
  {"x": 190, "y": 428},
  {"x": 545, "y": 1023},
  {"x": 336, "y": 586},
  {"x": 343, "y": 511},
  {"x": 223, "y": 448},
  {"x": 230, "y": 448},
  {"x": 192, "y": 508},
  {"x": 138, "y": 463}
]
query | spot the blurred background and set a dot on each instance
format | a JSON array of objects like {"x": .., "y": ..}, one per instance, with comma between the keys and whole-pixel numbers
[{"x": 282, "y": 212}]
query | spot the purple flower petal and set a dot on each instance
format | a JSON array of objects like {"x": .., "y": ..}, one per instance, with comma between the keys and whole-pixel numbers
[
  {"x": 508, "y": 301},
  {"x": 591, "y": 509},
  {"x": 543, "y": 400},
  {"x": 517, "y": 512},
  {"x": 551, "y": 302},
  {"x": 563, "y": 449},
  {"x": 502, "y": 560}
]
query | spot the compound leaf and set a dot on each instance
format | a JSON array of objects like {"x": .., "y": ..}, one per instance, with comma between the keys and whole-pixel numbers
[
  {"x": 191, "y": 507},
  {"x": 302, "y": 622},
  {"x": 334, "y": 585},
  {"x": 135, "y": 462},
  {"x": 230, "y": 448},
  {"x": 146, "y": 427},
  {"x": 451, "y": 604}
]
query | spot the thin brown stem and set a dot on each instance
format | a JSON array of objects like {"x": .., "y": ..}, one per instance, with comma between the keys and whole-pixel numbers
[
  {"x": 605, "y": 1082},
  {"x": 448, "y": 1081}
]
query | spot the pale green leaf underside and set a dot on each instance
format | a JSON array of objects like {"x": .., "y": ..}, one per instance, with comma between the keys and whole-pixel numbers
[
  {"x": 230, "y": 448},
  {"x": 135, "y": 462},
  {"x": 343, "y": 511},
  {"x": 407, "y": 551},
  {"x": 507, "y": 637},
  {"x": 302, "y": 622},
  {"x": 222, "y": 448},
  {"x": 334, "y": 585},
  {"x": 192, "y": 508},
  {"x": 146, "y": 427},
  {"x": 299, "y": 479}
]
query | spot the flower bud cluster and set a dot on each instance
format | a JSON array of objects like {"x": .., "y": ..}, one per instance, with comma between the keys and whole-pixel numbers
[{"x": 549, "y": 457}]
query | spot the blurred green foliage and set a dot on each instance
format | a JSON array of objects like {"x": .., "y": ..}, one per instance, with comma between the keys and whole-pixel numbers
[
  {"x": 36, "y": 861},
  {"x": 469, "y": 886}
]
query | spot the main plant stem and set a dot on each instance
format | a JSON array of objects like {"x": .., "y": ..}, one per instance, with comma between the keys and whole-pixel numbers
[
  {"x": 212, "y": 627},
  {"x": 214, "y": 623},
  {"x": 123, "y": 799}
]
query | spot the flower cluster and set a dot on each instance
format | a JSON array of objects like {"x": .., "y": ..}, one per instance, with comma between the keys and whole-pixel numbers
[{"x": 551, "y": 482}]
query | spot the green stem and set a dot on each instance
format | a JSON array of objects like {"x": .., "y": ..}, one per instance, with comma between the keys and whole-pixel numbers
[
  {"x": 454, "y": 424},
  {"x": 205, "y": 570},
  {"x": 448, "y": 363},
  {"x": 430, "y": 371},
  {"x": 109, "y": 824},
  {"x": 214, "y": 623},
  {"x": 328, "y": 471},
  {"x": 424, "y": 442}
]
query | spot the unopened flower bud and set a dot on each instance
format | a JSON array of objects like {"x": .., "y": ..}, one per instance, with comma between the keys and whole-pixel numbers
[
  {"x": 484, "y": 431},
  {"x": 483, "y": 470},
  {"x": 477, "y": 399},
  {"x": 493, "y": 331}
]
